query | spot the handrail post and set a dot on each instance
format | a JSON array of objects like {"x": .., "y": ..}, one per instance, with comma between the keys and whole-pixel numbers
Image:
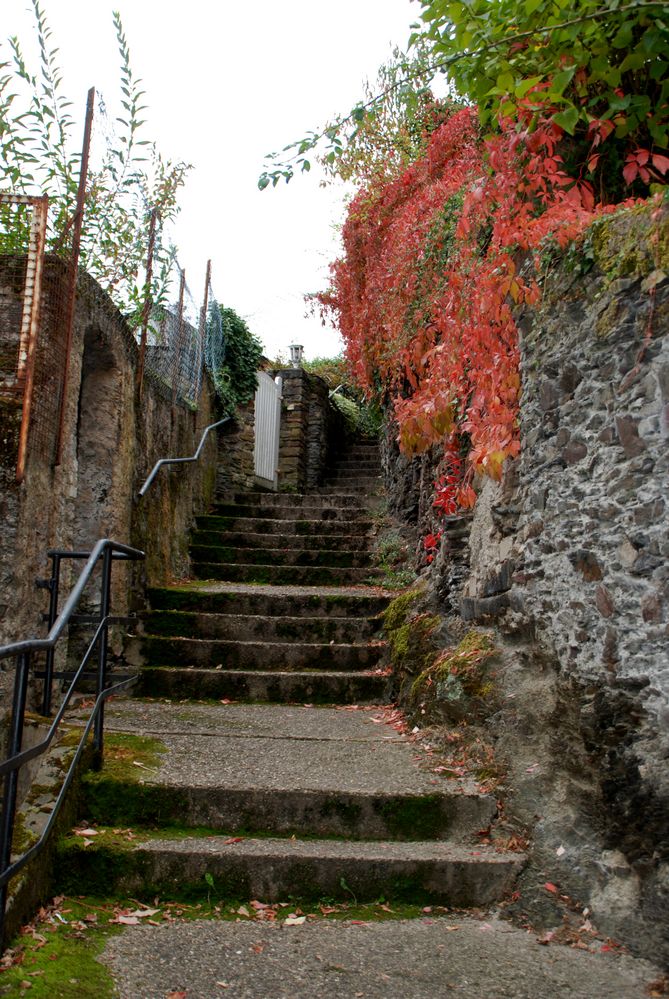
[
  {"x": 105, "y": 601},
  {"x": 12, "y": 778},
  {"x": 54, "y": 584}
]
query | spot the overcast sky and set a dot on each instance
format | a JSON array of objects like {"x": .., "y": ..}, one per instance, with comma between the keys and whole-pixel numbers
[{"x": 226, "y": 83}]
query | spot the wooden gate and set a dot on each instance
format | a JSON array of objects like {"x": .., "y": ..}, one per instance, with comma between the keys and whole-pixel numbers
[{"x": 267, "y": 429}]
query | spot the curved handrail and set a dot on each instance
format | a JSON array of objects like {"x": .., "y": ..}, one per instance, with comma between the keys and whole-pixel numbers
[{"x": 180, "y": 461}]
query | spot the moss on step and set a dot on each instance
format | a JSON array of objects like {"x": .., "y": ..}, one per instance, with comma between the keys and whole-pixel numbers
[
  {"x": 117, "y": 792},
  {"x": 414, "y": 818}
]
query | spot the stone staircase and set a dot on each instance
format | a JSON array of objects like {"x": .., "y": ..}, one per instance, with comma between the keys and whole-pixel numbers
[{"x": 277, "y": 798}]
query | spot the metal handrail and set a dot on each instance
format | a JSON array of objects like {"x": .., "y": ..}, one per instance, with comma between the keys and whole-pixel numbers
[
  {"x": 104, "y": 550},
  {"x": 180, "y": 461}
]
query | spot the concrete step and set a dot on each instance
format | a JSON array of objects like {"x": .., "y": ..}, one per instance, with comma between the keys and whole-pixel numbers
[
  {"x": 346, "y": 482},
  {"x": 306, "y": 542},
  {"x": 288, "y": 511},
  {"x": 221, "y": 598},
  {"x": 275, "y": 869},
  {"x": 268, "y": 686},
  {"x": 259, "y": 627},
  {"x": 370, "y": 466},
  {"x": 284, "y": 574},
  {"x": 208, "y": 653},
  {"x": 302, "y": 500},
  {"x": 276, "y": 769},
  {"x": 263, "y": 525},
  {"x": 273, "y": 555}
]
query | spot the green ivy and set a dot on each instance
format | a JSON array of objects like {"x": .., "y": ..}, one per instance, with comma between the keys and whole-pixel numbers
[{"x": 236, "y": 378}]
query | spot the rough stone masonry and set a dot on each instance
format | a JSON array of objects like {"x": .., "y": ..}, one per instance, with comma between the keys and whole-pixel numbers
[{"x": 567, "y": 562}]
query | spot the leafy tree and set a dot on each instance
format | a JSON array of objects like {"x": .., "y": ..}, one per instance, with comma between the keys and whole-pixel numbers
[
  {"x": 598, "y": 68},
  {"x": 39, "y": 153}
]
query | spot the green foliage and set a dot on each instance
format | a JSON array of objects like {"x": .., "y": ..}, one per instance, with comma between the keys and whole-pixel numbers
[
  {"x": 391, "y": 552},
  {"x": 39, "y": 153},
  {"x": 236, "y": 379},
  {"x": 333, "y": 370},
  {"x": 599, "y": 67},
  {"x": 391, "y": 126}
]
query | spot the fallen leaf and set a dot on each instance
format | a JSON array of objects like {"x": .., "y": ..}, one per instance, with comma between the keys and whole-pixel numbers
[
  {"x": 85, "y": 832},
  {"x": 549, "y": 886},
  {"x": 294, "y": 920},
  {"x": 143, "y": 913},
  {"x": 233, "y": 839},
  {"x": 176, "y": 995},
  {"x": 243, "y": 911},
  {"x": 126, "y": 920},
  {"x": 560, "y": 851}
]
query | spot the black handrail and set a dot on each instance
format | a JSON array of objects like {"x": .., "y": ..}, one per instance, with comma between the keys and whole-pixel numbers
[
  {"x": 104, "y": 550},
  {"x": 181, "y": 461}
]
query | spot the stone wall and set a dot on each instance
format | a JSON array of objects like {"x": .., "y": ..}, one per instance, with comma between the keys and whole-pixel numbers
[
  {"x": 305, "y": 430},
  {"x": 565, "y": 561},
  {"x": 112, "y": 438}
]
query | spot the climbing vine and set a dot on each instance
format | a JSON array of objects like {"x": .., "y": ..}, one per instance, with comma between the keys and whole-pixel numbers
[{"x": 434, "y": 263}]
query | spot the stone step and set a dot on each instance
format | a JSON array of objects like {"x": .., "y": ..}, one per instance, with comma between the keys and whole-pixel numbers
[
  {"x": 372, "y": 465},
  {"x": 306, "y": 542},
  {"x": 345, "y": 481},
  {"x": 217, "y": 598},
  {"x": 259, "y": 627},
  {"x": 263, "y": 525},
  {"x": 274, "y": 869},
  {"x": 302, "y": 500},
  {"x": 284, "y": 575},
  {"x": 276, "y": 769},
  {"x": 267, "y": 686},
  {"x": 290, "y": 511},
  {"x": 208, "y": 653},
  {"x": 336, "y": 558}
]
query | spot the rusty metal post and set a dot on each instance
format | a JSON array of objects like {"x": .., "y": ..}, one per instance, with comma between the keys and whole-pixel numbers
[
  {"x": 180, "y": 338},
  {"x": 146, "y": 308},
  {"x": 32, "y": 302},
  {"x": 74, "y": 266},
  {"x": 203, "y": 328}
]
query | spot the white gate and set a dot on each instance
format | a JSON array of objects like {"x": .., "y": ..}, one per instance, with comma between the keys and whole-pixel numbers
[{"x": 267, "y": 427}]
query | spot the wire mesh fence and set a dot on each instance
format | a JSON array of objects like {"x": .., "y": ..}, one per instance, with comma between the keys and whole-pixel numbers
[{"x": 183, "y": 338}]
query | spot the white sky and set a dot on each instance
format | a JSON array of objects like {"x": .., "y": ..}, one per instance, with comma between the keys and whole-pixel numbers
[{"x": 226, "y": 83}]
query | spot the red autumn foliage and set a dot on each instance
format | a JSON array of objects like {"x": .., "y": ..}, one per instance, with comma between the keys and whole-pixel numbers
[{"x": 435, "y": 260}]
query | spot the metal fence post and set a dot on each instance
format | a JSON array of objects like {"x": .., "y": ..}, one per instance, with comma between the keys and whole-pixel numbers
[
  {"x": 54, "y": 584},
  {"x": 12, "y": 778},
  {"x": 180, "y": 339},
  {"x": 74, "y": 268},
  {"x": 105, "y": 601},
  {"x": 148, "y": 301}
]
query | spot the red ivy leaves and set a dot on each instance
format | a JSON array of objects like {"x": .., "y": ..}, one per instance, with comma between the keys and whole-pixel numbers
[{"x": 425, "y": 293}]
